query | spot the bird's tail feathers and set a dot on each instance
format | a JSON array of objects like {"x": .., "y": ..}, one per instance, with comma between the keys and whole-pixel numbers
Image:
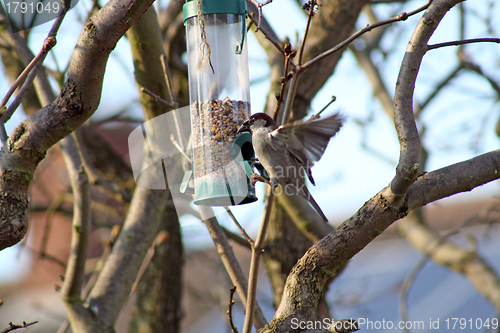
[{"x": 313, "y": 203}]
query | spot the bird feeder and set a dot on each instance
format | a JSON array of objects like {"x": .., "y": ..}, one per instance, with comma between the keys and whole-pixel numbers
[{"x": 219, "y": 102}]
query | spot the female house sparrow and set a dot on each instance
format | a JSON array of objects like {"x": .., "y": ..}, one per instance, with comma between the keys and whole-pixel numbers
[{"x": 289, "y": 151}]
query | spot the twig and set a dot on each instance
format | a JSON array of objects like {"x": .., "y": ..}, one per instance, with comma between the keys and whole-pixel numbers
[
  {"x": 311, "y": 5},
  {"x": 152, "y": 94},
  {"x": 242, "y": 230},
  {"x": 236, "y": 238},
  {"x": 17, "y": 100},
  {"x": 470, "y": 65},
  {"x": 254, "y": 265},
  {"x": 259, "y": 8},
  {"x": 13, "y": 327},
  {"x": 178, "y": 125},
  {"x": 401, "y": 17},
  {"x": 410, "y": 278},
  {"x": 463, "y": 42},
  {"x": 94, "y": 176},
  {"x": 115, "y": 230},
  {"x": 300, "y": 69},
  {"x": 166, "y": 71},
  {"x": 230, "y": 262},
  {"x": 230, "y": 310},
  {"x": 405, "y": 288},
  {"x": 439, "y": 87},
  {"x": 268, "y": 36},
  {"x": 48, "y": 44},
  {"x": 160, "y": 238},
  {"x": 292, "y": 90},
  {"x": 289, "y": 54},
  {"x": 54, "y": 259},
  {"x": 34, "y": 66},
  {"x": 53, "y": 207},
  {"x": 90, "y": 283},
  {"x": 325, "y": 107},
  {"x": 179, "y": 148}
]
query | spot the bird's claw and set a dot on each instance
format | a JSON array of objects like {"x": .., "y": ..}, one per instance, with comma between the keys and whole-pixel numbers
[{"x": 256, "y": 177}]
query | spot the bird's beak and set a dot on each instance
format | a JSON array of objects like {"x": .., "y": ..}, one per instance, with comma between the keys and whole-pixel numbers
[{"x": 244, "y": 128}]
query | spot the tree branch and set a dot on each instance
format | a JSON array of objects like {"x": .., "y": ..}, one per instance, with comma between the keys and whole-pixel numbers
[
  {"x": 463, "y": 42},
  {"x": 309, "y": 276},
  {"x": 230, "y": 262},
  {"x": 409, "y": 140},
  {"x": 80, "y": 231},
  {"x": 13, "y": 327},
  {"x": 113, "y": 285},
  {"x": 257, "y": 249},
  {"x": 77, "y": 101},
  {"x": 456, "y": 178},
  {"x": 323, "y": 259}
]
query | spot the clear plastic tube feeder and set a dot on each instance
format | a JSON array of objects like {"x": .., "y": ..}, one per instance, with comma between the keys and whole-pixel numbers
[{"x": 219, "y": 101}]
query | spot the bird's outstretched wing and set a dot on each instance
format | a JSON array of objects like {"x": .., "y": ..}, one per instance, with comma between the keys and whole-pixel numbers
[{"x": 307, "y": 140}]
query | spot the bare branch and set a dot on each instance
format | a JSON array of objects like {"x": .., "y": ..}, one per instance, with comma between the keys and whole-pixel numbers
[
  {"x": 30, "y": 73},
  {"x": 456, "y": 178},
  {"x": 287, "y": 76},
  {"x": 311, "y": 6},
  {"x": 258, "y": 248},
  {"x": 168, "y": 76},
  {"x": 78, "y": 100},
  {"x": 160, "y": 238},
  {"x": 259, "y": 6},
  {"x": 307, "y": 278},
  {"x": 80, "y": 229},
  {"x": 13, "y": 327},
  {"x": 48, "y": 44},
  {"x": 266, "y": 30},
  {"x": 94, "y": 177},
  {"x": 113, "y": 285},
  {"x": 465, "y": 261},
  {"x": 369, "y": 27},
  {"x": 468, "y": 63},
  {"x": 323, "y": 259},
  {"x": 242, "y": 230},
  {"x": 158, "y": 98},
  {"x": 409, "y": 140},
  {"x": 230, "y": 262},
  {"x": 230, "y": 310},
  {"x": 463, "y": 42},
  {"x": 20, "y": 46},
  {"x": 439, "y": 87}
]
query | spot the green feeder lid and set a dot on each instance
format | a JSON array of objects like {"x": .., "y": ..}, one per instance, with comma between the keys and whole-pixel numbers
[{"x": 238, "y": 7}]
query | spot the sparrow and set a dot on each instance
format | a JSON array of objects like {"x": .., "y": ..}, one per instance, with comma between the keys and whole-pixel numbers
[{"x": 288, "y": 152}]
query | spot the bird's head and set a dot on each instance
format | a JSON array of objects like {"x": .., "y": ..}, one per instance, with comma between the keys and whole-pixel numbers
[{"x": 257, "y": 121}]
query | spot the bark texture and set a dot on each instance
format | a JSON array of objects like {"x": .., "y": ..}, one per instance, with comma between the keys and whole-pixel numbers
[
  {"x": 158, "y": 307},
  {"x": 79, "y": 98}
]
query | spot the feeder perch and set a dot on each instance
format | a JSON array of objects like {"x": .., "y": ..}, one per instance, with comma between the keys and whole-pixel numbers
[{"x": 219, "y": 102}]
